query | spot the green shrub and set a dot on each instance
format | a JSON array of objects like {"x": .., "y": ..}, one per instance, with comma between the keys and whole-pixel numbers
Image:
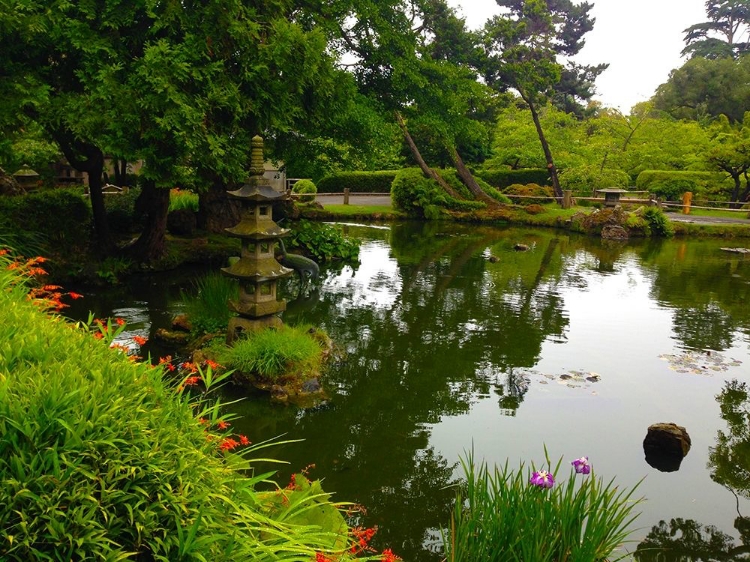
[
  {"x": 273, "y": 353},
  {"x": 452, "y": 178},
  {"x": 423, "y": 198},
  {"x": 358, "y": 182},
  {"x": 305, "y": 186},
  {"x": 658, "y": 222},
  {"x": 183, "y": 199},
  {"x": 583, "y": 180},
  {"x": 673, "y": 189},
  {"x": 324, "y": 242},
  {"x": 706, "y": 184},
  {"x": 501, "y": 515},
  {"x": 121, "y": 215},
  {"x": 206, "y": 305},
  {"x": 504, "y": 178},
  {"x": 61, "y": 217},
  {"x": 104, "y": 459},
  {"x": 530, "y": 191}
]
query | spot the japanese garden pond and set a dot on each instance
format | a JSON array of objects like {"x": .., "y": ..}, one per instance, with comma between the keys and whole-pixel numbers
[{"x": 453, "y": 340}]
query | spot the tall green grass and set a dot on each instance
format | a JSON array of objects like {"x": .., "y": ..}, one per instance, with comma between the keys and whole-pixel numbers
[
  {"x": 207, "y": 305},
  {"x": 103, "y": 459},
  {"x": 275, "y": 352},
  {"x": 500, "y": 515},
  {"x": 183, "y": 199}
]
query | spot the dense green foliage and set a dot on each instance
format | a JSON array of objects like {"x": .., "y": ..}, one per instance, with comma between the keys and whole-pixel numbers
[
  {"x": 499, "y": 515},
  {"x": 584, "y": 180},
  {"x": 305, "y": 187},
  {"x": 104, "y": 459},
  {"x": 658, "y": 222},
  {"x": 672, "y": 184},
  {"x": 323, "y": 242},
  {"x": 60, "y": 217},
  {"x": 422, "y": 198},
  {"x": 503, "y": 178},
  {"x": 273, "y": 353},
  {"x": 358, "y": 182},
  {"x": 206, "y": 305},
  {"x": 532, "y": 194}
]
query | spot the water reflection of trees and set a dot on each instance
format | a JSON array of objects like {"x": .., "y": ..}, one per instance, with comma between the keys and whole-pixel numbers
[
  {"x": 686, "y": 540},
  {"x": 708, "y": 288}
]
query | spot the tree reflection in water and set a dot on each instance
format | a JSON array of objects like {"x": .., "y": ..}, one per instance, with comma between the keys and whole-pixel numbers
[{"x": 686, "y": 540}]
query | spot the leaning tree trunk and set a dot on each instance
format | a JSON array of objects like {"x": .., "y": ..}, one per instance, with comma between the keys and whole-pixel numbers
[
  {"x": 426, "y": 170},
  {"x": 545, "y": 147},
  {"x": 216, "y": 211},
  {"x": 88, "y": 158},
  {"x": 468, "y": 179},
  {"x": 152, "y": 243}
]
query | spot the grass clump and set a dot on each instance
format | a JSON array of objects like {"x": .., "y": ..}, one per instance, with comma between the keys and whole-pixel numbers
[
  {"x": 275, "y": 353},
  {"x": 503, "y": 514},
  {"x": 206, "y": 305},
  {"x": 182, "y": 199},
  {"x": 102, "y": 458}
]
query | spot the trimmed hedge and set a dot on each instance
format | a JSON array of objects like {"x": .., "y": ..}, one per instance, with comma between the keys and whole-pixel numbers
[
  {"x": 504, "y": 178},
  {"x": 60, "y": 216},
  {"x": 358, "y": 182},
  {"x": 666, "y": 182}
]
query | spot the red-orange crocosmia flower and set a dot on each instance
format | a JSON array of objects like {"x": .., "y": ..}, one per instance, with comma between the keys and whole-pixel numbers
[
  {"x": 228, "y": 444},
  {"x": 192, "y": 381},
  {"x": 75, "y": 296},
  {"x": 140, "y": 340},
  {"x": 223, "y": 424},
  {"x": 388, "y": 556},
  {"x": 120, "y": 321},
  {"x": 244, "y": 440}
]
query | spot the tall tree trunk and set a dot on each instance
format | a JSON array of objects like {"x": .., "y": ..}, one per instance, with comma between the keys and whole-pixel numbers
[
  {"x": 216, "y": 211},
  {"x": 88, "y": 158},
  {"x": 154, "y": 202},
  {"x": 426, "y": 170},
  {"x": 121, "y": 168},
  {"x": 468, "y": 179},
  {"x": 545, "y": 146}
]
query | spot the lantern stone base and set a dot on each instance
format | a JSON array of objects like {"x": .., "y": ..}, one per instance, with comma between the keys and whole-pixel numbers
[{"x": 239, "y": 326}]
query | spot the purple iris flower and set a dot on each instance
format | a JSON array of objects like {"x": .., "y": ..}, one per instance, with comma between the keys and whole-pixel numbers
[
  {"x": 543, "y": 479},
  {"x": 582, "y": 465}
]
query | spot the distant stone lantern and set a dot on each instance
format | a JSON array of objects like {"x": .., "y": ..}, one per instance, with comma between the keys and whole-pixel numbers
[
  {"x": 257, "y": 270},
  {"x": 26, "y": 177}
]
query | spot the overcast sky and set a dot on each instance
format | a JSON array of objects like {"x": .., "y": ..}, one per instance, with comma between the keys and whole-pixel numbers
[{"x": 640, "y": 39}]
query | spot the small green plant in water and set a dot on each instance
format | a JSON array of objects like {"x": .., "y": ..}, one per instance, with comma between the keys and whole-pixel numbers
[
  {"x": 274, "y": 353},
  {"x": 207, "y": 305},
  {"x": 524, "y": 514},
  {"x": 324, "y": 242}
]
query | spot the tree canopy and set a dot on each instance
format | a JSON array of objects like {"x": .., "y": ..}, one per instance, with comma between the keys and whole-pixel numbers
[{"x": 725, "y": 33}]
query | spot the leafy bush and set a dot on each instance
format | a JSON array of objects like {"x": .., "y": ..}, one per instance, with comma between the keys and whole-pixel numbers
[
  {"x": 324, "y": 242},
  {"x": 121, "y": 214},
  {"x": 583, "y": 180},
  {"x": 531, "y": 190},
  {"x": 423, "y": 198},
  {"x": 206, "y": 305},
  {"x": 273, "y": 353},
  {"x": 60, "y": 216},
  {"x": 713, "y": 184},
  {"x": 672, "y": 189},
  {"x": 305, "y": 186},
  {"x": 524, "y": 515},
  {"x": 658, "y": 222},
  {"x": 452, "y": 178},
  {"x": 104, "y": 459},
  {"x": 504, "y": 178},
  {"x": 183, "y": 199},
  {"x": 358, "y": 182}
]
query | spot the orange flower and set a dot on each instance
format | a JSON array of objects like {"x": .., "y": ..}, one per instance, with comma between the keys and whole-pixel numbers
[
  {"x": 213, "y": 364},
  {"x": 388, "y": 556},
  {"x": 140, "y": 340},
  {"x": 191, "y": 381},
  {"x": 75, "y": 296},
  {"x": 228, "y": 444},
  {"x": 120, "y": 321},
  {"x": 244, "y": 440},
  {"x": 223, "y": 424}
]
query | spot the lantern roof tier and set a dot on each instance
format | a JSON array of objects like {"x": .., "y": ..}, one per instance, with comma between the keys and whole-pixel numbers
[
  {"x": 261, "y": 230},
  {"x": 258, "y": 271}
]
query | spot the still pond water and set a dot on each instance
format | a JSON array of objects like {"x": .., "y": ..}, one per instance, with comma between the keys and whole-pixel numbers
[{"x": 453, "y": 340}]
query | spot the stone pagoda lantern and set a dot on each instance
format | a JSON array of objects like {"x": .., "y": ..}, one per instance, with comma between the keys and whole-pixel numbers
[{"x": 257, "y": 270}]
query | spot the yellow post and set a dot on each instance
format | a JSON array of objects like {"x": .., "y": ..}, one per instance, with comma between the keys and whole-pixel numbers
[{"x": 687, "y": 197}]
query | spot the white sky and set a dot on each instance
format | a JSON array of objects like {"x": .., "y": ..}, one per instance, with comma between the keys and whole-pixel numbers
[{"x": 640, "y": 39}]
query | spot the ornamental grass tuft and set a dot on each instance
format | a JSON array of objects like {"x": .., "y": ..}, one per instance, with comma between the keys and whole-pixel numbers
[
  {"x": 526, "y": 515},
  {"x": 207, "y": 304}
]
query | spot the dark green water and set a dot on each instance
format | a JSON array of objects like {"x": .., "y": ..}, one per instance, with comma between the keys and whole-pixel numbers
[{"x": 453, "y": 340}]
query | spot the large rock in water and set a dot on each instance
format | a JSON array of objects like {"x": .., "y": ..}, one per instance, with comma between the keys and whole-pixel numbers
[
  {"x": 614, "y": 232},
  {"x": 665, "y": 445}
]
